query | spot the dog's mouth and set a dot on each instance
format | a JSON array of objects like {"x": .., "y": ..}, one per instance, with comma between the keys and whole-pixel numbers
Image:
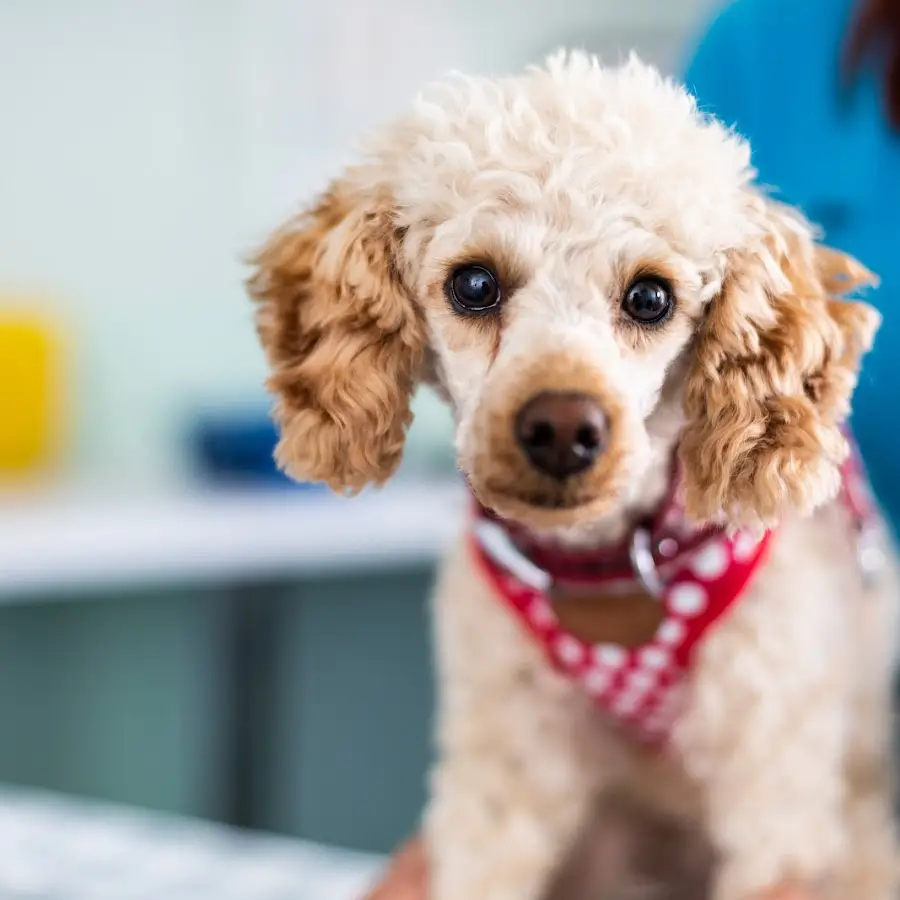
[
  {"x": 551, "y": 500},
  {"x": 546, "y": 507}
]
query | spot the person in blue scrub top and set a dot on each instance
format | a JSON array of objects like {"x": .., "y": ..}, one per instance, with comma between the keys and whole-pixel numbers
[{"x": 814, "y": 85}]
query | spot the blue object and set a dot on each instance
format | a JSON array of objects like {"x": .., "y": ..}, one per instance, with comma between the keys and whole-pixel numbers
[
  {"x": 238, "y": 450},
  {"x": 771, "y": 68}
]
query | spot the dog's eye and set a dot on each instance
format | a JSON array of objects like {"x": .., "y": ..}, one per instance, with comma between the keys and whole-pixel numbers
[
  {"x": 473, "y": 289},
  {"x": 648, "y": 301}
]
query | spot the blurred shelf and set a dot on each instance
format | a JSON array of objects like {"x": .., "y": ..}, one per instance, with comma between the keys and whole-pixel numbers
[{"x": 63, "y": 544}]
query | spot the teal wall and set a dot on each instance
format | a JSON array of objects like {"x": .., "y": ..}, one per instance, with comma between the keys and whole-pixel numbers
[{"x": 122, "y": 698}]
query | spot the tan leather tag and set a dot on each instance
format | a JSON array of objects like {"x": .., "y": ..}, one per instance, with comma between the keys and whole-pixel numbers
[{"x": 629, "y": 619}]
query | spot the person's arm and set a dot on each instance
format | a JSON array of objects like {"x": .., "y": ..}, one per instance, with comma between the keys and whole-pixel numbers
[{"x": 406, "y": 877}]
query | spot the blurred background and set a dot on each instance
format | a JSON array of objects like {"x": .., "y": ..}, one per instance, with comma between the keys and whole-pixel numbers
[{"x": 181, "y": 630}]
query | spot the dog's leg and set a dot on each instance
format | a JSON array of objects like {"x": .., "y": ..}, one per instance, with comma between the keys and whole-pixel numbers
[
  {"x": 871, "y": 869},
  {"x": 633, "y": 850},
  {"x": 519, "y": 763},
  {"x": 766, "y": 724},
  {"x": 498, "y": 835}
]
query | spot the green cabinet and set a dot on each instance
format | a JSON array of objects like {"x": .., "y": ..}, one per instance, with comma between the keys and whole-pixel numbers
[{"x": 126, "y": 698}]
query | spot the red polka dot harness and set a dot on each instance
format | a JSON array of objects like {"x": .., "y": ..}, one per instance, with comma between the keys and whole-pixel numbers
[{"x": 697, "y": 576}]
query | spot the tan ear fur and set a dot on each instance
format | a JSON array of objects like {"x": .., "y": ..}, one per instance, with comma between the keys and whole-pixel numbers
[
  {"x": 775, "y": 365},
  {"x": 343, "y": 338}
]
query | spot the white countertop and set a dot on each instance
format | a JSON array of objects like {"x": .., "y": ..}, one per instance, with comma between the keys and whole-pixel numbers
[
  {"x": 74, "y": 541},
  {"x": 59, "y": 848}
]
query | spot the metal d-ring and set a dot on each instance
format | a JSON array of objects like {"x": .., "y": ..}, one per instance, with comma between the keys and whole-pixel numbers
[{"x": 640, "y": 552}]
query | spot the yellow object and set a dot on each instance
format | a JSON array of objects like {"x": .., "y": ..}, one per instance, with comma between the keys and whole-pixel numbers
[{"x": 29, "y": 392}]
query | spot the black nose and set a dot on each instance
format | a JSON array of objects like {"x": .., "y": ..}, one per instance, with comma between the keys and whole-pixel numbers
[{"x": 561, "y": 433}]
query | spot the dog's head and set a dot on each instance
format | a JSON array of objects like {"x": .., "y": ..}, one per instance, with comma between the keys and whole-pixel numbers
[{"x": 579, "y": 261}]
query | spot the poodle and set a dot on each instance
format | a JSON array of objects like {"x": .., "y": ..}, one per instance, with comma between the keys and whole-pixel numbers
[{"x": 673, "y": 586}]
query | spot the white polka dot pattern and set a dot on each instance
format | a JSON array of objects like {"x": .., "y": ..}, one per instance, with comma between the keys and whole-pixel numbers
[
  {"x": 654, "y": 658},
  {"x": 671, "y": 632},
  {"x": 641, "y": 686},
  {"x": 688, "y": 598},
  {"x": 712, "y": 561},
  {"x": 611, "y": 655},
  {"x": 745, "y": 545},
  {"x": 570, "y": 650},
  {"x": 541, "y": 612}
]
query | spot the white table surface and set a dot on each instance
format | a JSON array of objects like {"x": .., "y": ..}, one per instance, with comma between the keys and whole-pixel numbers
[
  {"x": 57, "y": 848},
  {"x": 72, "y": 541}
]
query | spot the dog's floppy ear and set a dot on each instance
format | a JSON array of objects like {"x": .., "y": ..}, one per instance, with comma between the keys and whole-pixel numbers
[
  {"x": 776, "y": 361},
  {"x": 343, "y": 339}
]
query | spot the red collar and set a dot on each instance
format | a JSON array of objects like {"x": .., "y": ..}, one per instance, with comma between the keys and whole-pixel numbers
[
  {"x": 697, "y": 575},
  {"x": 654, "y": 546}
]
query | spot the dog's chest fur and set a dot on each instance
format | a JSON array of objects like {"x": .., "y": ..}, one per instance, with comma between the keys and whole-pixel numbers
[{"x": 804, "y": 616}]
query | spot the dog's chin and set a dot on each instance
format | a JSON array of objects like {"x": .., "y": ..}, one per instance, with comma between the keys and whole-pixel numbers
[{"x": 548, "y": 510}]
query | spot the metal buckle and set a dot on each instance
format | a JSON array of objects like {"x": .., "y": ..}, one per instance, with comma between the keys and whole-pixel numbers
[{"x": 640, "y": 552}]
